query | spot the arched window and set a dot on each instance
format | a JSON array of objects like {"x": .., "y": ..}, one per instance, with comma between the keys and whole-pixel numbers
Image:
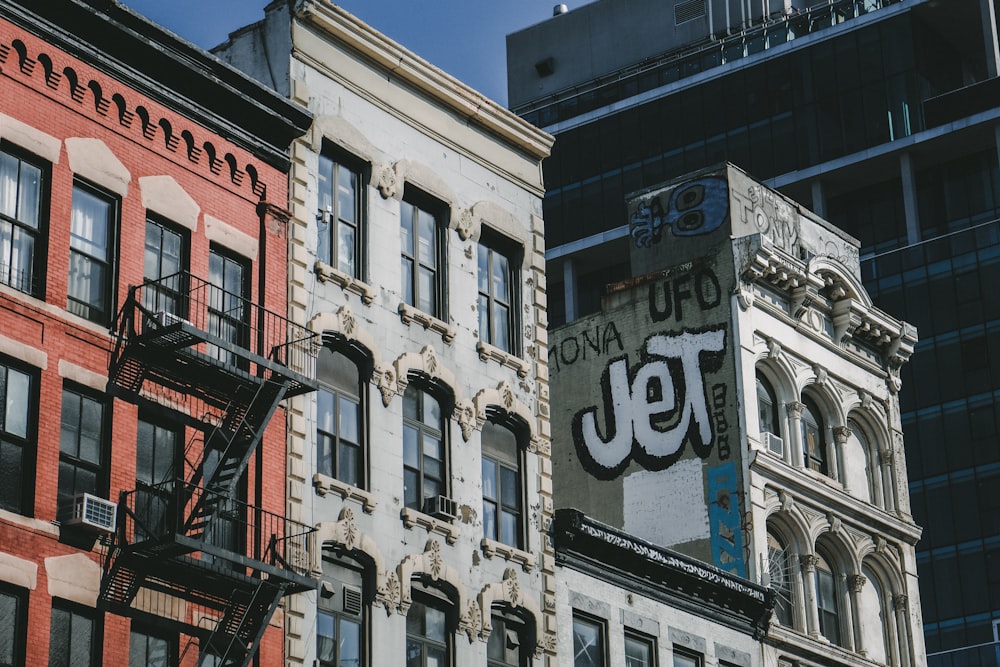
[
  {"x": 340, "y": 426},
  {"x": 827, "y": 600},
  {"x": 340, "y": 617},
  {"x": 767, "y": 416},
  {"x": 813, "y": 445},
  {"x": 872, "y": 603},
  {"x": 503, "y": 516},
  {"x": 860, "y": 470},
  {"x": 779, "y": 575},
  {"x": 507, "y": 645},
  {"x": 429, "y": 629},
  {"x": 425, "y": 473}
]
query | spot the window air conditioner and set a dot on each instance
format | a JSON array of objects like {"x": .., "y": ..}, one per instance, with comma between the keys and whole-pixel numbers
[
  {"x": 441, "y": 507},
  {"x": 775, "y": 444},
  {"x": 89, "y": 511}
]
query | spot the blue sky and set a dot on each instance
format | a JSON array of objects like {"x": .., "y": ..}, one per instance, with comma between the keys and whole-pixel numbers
[{"x": 464, "y": 38}]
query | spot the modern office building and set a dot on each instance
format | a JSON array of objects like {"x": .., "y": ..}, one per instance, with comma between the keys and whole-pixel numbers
[
  {"x": 736, "y": 401},
  {"x": 881, "y": 116},
  {"x": 143, "y": 347},
  {"x": 416, "y": 254}
]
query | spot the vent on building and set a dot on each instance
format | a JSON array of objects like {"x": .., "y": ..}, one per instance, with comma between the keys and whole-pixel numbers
[
  {"x": 688, "y": 10},
  {"x": 92, "y": 512},
  {"x": 352, "y": 600}
]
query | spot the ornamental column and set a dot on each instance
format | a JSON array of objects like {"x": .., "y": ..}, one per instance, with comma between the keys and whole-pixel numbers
[
  {"x": 808, "y": 562},
  {"x": 855, "y": 583},
  {"x": 794, "y": 410}
]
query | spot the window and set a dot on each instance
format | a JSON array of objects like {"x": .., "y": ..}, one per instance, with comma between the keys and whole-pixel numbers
[
  {"x": 164, "y": 259},
  {"x": 340, "y": 617},
  {"x": 151, "y": 650},
  {"x": 588, "y": 642},
  {"x": 497, "y": 309},
  {"x": 424, "y": 464},
  {"x": 91, "y": 253},
  {"x": 827, "y": 601},
  {"x": 502, "y": 516},
  {"x": 18, "y": 425},
  {"x": 158, "y": 448},
  {"x": 21, "y": 215},
  {"x": 227, "y": 308},
  {"x": 640, "y": 650},
  {"x": 428, "y": 641},
  {"x": 779, "y": 576},
  {"x": 339, "y": 427},
  {"x": 422, "y": 247},
  {"x": 342, "y": 216},
  {"x": 82, "y": 441},
  {"x": 813, "y": 447},
  {"x": 13, "y": 625},
  {"x": 504, "y": 647},
  {"x": 767, "y": 408},
  {"x": 74, "y": 636},
  {"x": 685, "y": 658}
]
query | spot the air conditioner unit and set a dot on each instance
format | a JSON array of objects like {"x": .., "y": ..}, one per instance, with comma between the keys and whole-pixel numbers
[
  {"x": 441, "y": 507},
  {"x": 166, "y": 318},
  {"x": 775, "y": 444},
  {"x": 89, "y": 511}
]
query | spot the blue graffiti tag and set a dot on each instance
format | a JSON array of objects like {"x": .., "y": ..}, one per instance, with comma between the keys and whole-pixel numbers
[
  {"x": 725, "y": 520},
  {"x": 696, "y": 207}
]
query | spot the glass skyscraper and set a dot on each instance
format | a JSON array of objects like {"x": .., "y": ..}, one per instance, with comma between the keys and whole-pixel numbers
[{"x": 881, "y": 116}]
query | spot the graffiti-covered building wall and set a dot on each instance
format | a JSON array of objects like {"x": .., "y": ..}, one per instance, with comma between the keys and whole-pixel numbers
[{"x": 736, "y": 400}]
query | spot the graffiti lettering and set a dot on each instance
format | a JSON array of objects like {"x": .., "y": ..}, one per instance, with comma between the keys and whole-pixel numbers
[
  {"x": 695, "y": 208},
  {"x": 707, "y": 293},
  {"x": 652, "y": 410},
  {"x": 721, "y": 423},
  {"x": 724, "y": 518},
  {"x": 598, "y": 341}
]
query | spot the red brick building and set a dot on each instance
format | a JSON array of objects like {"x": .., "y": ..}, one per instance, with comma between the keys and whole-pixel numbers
[{"x": 141, "y": 507}]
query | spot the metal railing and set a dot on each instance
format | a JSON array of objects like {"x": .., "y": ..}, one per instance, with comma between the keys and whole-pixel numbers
[{"x": 151, "y": 517}]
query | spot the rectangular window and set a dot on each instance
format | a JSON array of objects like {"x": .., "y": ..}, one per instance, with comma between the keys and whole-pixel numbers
[
  {"x": 91, "y": 254},
  {"x": 422, "y": 246},
  {"x": 339, "y": 423},
  {"x": 164, "y": 260},
  {"x": 74, "y": 636},
  {"x": 82, "y": 444},
  {"x": 428, "y": 639},
  {"x": 13, "y": 625},
  {"x": 158, "y": 448},
  {"x": 640, "y": 650},
  {"x": 18, "y": 430},
  {"x": 341, "y": 213},
  {"x": 424, "y": 465},
  {"x": 588, "y": 642},
  {"x": 151, "y": 649},
  {"x": 502, "y": 516},
  {"x": 498, "y": 311},
  {"x": 228, "y": 307},
  {"x": 22, "y": 210},
  {"x": 686, "y": 658}
]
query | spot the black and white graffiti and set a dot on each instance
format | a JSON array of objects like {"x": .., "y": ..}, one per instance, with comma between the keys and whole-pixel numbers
[
  {"x": 653, "y": 409},
  {"x": 697, "y": 207}
]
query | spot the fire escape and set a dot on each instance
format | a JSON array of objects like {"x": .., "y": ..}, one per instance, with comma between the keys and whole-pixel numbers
[{"x": 189, "y": 549}]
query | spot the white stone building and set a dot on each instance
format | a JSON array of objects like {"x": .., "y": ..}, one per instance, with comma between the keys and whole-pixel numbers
[
  {"x": 416, "y": 250},
  {"x": 737, "y": 401}
]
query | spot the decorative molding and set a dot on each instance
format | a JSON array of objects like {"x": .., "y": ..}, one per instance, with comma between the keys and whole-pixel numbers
[
  {"x": 855, "y": 582},
  {"x": 412, "y": 517},
  {"x": 431, "y": 564},
  {"x": 325, "y": 485},
  {"x": 388, "y": 181},
  {"x": 327, "y": 273},
  {"x": 488, "y": 352},
  {"x": 409, "y": 314},
  {"x": 492, "y": 548},
  {"x": 509, "y": 591}
]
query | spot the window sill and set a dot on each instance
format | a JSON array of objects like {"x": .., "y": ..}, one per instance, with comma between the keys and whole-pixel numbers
[
  {"x": 329, "y": 274},
  {"x": 325, "y": 484},
  {"x": 408, "y": 313},
  {"x": 30, "y": 523},
  {"x": 412, "y": 517},
  {"x": 488, "y": 352},
  {"x": 493, "y": 548}
]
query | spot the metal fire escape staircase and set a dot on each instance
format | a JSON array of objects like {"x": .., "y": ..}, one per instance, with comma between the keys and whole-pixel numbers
[{"x": 190, "y": 550}]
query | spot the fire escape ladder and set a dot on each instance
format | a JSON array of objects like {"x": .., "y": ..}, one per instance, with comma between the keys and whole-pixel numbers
[
  {"x": 237, "y": 636},
  {"x": 125, "y": 371},
  {"x": 229, "y": 447}
]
